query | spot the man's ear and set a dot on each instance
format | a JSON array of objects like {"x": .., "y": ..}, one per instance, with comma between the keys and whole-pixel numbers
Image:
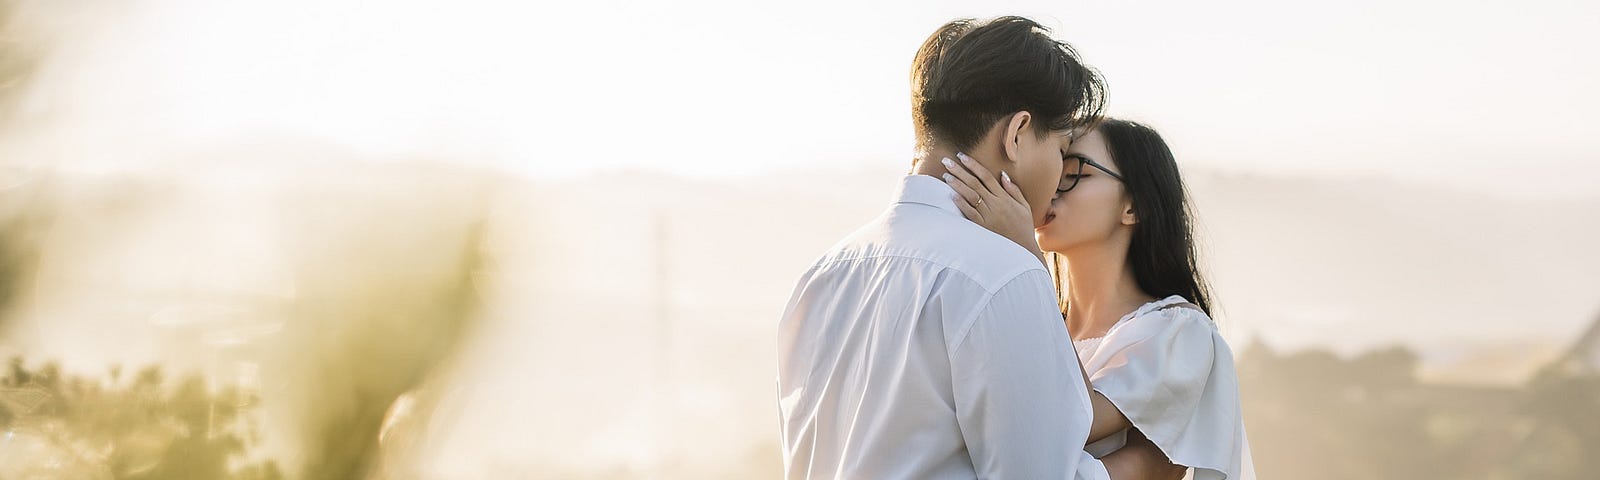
[{"x": 1011, "y": 142}]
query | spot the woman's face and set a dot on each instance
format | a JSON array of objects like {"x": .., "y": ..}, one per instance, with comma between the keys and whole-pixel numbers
[{"x": 1092, "y": 212}]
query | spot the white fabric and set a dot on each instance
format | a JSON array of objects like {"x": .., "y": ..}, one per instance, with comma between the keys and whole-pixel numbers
[
  {"x": 923, "y": 346},
  {"x": 1169, "y": 371},
  {"x": 1087, "y": 346}
]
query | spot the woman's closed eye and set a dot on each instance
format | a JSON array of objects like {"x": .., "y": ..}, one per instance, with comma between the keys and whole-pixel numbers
[{"x": 1068, "y": 180}]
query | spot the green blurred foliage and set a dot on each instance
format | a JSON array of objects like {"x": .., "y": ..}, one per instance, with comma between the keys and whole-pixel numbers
[
  {"x": 144, "y": 426},
  {"x": 1563, "y": 436},
  {"x": 377, "y": 337},
  {"x": 1313, "y": 415}
]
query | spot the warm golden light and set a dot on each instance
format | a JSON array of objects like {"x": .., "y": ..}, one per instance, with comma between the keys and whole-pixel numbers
[{"x": 342, "y": 239}]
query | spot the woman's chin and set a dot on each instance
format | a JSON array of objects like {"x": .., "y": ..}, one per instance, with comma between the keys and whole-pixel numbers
[{"x": 1048, "y": 246}]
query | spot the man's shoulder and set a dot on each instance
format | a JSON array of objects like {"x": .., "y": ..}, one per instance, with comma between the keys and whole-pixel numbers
[{"x": 913, "y": 234}]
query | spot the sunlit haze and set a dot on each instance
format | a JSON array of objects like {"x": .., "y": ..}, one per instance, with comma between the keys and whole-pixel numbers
[
  {"x": 554, "y": 239},
  {"x": 1489, "y": 96}
]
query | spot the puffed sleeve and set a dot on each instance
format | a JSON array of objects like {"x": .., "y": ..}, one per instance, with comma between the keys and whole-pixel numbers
[{"x": 1170, "y": 372}]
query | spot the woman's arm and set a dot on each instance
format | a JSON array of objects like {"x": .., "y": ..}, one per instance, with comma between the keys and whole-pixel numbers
[
  {"x": 1107, "y": 419},
  {"x": 1139, "y": 460}
]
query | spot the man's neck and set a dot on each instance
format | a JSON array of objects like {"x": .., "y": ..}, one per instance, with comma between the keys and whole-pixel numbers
[
  {"x": 928, "y": 162},
  {"x": 928, "y": 159}
]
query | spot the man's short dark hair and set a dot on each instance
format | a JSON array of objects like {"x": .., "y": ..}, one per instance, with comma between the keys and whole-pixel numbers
[{"x": 970, "y": 74}]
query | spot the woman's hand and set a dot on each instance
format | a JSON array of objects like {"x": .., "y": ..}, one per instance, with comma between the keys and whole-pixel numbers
[{"x": 995, "y": 203}]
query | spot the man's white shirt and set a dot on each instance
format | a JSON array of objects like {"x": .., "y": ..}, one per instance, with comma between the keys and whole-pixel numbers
[{"x": 924, "y": 346}]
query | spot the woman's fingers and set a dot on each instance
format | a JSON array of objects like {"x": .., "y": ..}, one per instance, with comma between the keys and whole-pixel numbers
[
  {"x": 990, "y": 182},
  {"x": 967, "y": 200},
  {"x": 967, "y": 195},
  {"x": 1011, "y": 188},
  {"x": 967, "y": 178},
  {"x": 969, "y": 212}
]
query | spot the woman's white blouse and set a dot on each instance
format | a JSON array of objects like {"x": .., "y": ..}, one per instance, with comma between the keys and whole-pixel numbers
[{"x": 1169, "y": 371}]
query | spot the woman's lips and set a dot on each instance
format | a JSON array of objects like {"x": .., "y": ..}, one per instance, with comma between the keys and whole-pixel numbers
[{"x": 1048, "y": 217}]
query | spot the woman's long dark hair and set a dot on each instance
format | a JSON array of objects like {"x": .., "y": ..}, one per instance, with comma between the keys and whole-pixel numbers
[{"x": 1162, "y": 252}]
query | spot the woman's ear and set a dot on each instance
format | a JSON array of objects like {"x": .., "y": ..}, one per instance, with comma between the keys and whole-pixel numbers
[
  {"x": 1128, "y": 217},
  {"x": 1011, "y": 143}
]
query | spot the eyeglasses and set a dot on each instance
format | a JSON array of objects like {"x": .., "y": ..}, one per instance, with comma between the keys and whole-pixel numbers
[{"x": 1075, "y": 172}]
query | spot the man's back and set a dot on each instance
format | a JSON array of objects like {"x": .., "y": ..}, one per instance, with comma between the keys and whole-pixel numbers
[{"x": 923, "y": 346}]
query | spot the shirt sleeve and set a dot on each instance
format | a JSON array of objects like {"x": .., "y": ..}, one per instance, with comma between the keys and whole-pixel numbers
[
  {"x": 1172, "y": 375},
  {"x": 1021, "y": 402}
]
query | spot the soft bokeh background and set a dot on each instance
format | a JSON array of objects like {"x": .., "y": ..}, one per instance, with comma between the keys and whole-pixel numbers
[{"x": 475, "y": 239}]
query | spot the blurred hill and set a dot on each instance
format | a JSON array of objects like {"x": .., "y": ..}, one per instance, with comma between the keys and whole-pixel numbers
[
  {"x": 624, "y": 269},
  {"x": 627, "y": 319},
  {"x": 1484, "y": 286}
]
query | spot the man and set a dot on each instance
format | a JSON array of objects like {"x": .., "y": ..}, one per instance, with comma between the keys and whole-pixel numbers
[{"x": 923, "y": 346}]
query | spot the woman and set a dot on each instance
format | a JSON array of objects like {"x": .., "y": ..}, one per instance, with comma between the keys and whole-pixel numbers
[{"x": 1118, "y": 241}]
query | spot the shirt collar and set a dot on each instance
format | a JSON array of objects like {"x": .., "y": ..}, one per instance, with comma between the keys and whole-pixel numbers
[{"x": 927, "y": 190}]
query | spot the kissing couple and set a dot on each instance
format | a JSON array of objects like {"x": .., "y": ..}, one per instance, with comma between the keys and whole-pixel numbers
[{"x": 1028, "y": 307}]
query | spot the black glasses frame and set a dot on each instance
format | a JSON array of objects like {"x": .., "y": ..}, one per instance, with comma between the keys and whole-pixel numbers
[{"x": 1078, "y": 174}]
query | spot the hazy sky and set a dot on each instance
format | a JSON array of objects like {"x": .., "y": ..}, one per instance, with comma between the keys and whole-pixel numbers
[{"x": 1485, "y": 95}]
